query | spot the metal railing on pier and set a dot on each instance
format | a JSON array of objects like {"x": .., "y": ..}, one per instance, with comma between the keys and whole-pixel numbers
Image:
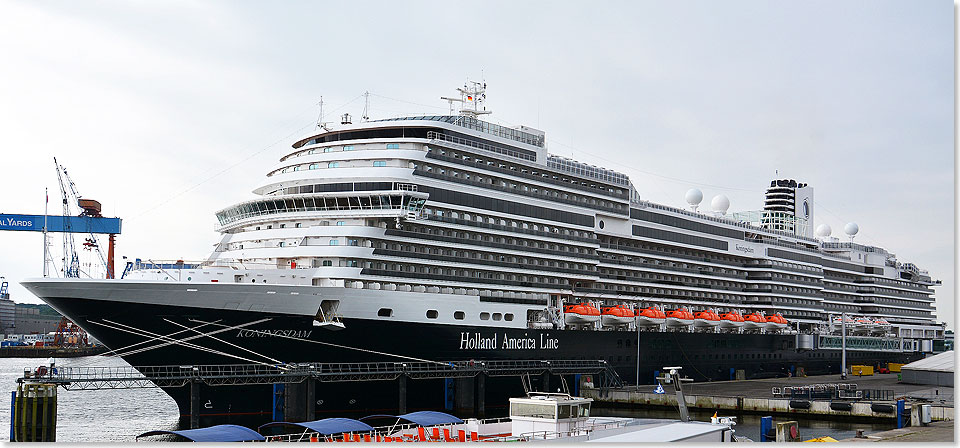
[{"x": 90, "y": 378}]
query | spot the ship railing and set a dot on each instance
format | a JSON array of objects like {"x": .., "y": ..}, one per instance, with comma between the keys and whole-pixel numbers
[
  {"x": 588, "y": 428},
  {"x": 727, "y": 221}
]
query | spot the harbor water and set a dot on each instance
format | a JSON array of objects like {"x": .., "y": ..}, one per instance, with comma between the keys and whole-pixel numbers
[
  {"x": 94, "y": 415},
  {"x": 120, "y": 415}
]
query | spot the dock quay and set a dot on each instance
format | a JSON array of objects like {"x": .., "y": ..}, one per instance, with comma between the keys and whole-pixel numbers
[
  {"x": 51, "y": 352},
  {"x": 935, "y": 432},
  {"x": 299, "y": 379},
  {"x": 855, "y": 398}
]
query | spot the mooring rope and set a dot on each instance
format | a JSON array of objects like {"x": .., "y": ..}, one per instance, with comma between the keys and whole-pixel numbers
[{"x": 338, "y": 345}]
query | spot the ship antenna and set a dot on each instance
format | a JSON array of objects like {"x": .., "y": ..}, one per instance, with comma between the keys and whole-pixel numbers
[
  {"x": 320, "y": 123},
  {"x": 366, "y": 106},
  {"x": 472, "y": 96}
]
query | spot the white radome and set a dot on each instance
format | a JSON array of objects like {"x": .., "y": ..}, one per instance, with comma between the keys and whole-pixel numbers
[
  {"x": 851, "y": 228},
  {"x": 824, "y": 230},
  {"x": 694, "y": 196},
  {"x": 720, "y": 204}
]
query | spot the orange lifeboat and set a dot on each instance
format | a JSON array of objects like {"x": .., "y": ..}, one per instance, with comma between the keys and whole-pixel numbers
[
  {"x": 616, "y": 315},
  {"x": 706, "y": 319},
  {"x": 731, "y": 320},
  {"x": 679, "y": 318},
  {"x": 754, "y": 321},
  {"x": 650, "y": 317},
  {"x": 776, "y": 322},
  {"x": 580, "y": 313}
]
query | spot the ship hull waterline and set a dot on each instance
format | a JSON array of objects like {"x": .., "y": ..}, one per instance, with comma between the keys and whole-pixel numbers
[{"x": 293, "y": 339}]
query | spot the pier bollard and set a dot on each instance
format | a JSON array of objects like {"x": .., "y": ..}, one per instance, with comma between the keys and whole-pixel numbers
[
  {"x": 766, "y": 425},
  {"x": 34, "y": 416},
  {"x": 901, "y": 405}
]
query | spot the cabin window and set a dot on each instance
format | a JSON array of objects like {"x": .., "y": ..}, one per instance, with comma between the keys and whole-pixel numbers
[
  {"x": 484, "y": 316},
  {"x": 379, "y": 163},
  {"x": 508, "y": 317},
  {"x": 393, "y": 146},
  {"x": 348, "y": 148},
  {"x": 333, "y": 164},
  {"x": 334, "y": 242},
  {"x": 432, "y": 314},
  {"x": 458, "y": 315},
  {"x": 497, "y": 316},
  {"x": 327, "y": 263},
  {"x": 383, "y": 312},
  {"x": 533, "y": 410}
]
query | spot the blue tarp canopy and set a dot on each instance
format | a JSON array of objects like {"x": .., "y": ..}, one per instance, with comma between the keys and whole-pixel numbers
[
  {"x": 422, "y": 418},
  {"x": 326, "y": 426},
  {"x": 219, "y": 433}
]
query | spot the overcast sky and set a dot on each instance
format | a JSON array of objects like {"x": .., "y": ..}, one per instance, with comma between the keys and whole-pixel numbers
[{"x": 167, "y": 111}]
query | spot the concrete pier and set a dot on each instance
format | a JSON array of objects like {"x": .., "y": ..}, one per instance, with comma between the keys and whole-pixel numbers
[
  {"x": 755, "y": 396},
  {"x": 935, "y": 432}
]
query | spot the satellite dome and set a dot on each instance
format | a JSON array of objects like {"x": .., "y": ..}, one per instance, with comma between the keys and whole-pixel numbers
[
  {"x": 851, "y": 229},
  {"x": 694, "y": 196},
  {"x": 720, "y": 204},
  {"x": 824, "y": 230}
]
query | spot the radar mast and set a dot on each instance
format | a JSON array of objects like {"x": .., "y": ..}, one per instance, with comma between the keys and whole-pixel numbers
[{"x": 472, "y": 96}]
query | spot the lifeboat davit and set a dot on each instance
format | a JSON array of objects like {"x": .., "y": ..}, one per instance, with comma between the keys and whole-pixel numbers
[
  {"x": 776, "y": 322},
  {"x": 850, "y": 322},
  {"x": 706, "y": 319},
  {"x": 616, "y": 315},
  {"x": 881, "y": 326},
  {"x": 650, "y": 317},
  {"x": 730, "y": 320},
  {"x": 863, "y": 322},
  {"x": 580, "y": 313},
  {"x": 679, "y": 318},
  {"x": 754, "y": 321}
]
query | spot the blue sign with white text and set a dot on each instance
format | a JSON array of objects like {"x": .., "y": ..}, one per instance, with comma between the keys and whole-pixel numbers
[{"x": 60, "y": 224}]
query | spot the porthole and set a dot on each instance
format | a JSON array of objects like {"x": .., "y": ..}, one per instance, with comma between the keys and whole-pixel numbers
[
  {"x": 484, "y": 316},
  {"x": 458, "y": 315},
  {"x": 497, "y": 316},
  {"x": 601, "y": 223},
  {"x": 508, "y": 317},
  {"x": 385, "y": 312},
  {"x": 432, "y": 314}
]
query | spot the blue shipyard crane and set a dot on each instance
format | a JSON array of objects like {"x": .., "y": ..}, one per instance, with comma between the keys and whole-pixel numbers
[
  {"x": 88, "y": 221},
  {"x": 87, "y": 207}
]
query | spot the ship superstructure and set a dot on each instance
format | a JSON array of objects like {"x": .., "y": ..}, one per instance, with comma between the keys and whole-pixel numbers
[
  {"x": 449, "y": 237},
  {"x": 461, "y": 208}
]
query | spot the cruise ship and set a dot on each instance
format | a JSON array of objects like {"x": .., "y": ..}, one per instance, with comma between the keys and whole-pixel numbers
[{"x": 448, "y": 237}]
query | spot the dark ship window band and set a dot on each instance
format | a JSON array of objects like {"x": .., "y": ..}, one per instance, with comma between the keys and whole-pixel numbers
[
  {"x": 339, "y": 186},
  {"x": 495, "y": 263},
  {"x": 419, "y": 132},
  {"x": 418, "y": 275},
  {"x": 675, "y": 237},
  {"x": 539, "y": 178},
  {"x": 510, "y": 207},
  {"x": 686, "y": 224},
  {"x": 591, "y": 255},
  {"x": 611, "y": 209}
]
